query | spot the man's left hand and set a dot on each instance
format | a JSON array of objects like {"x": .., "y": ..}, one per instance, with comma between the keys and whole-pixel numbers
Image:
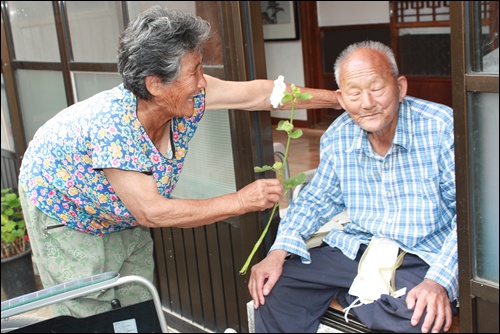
[{"x": 431, "y": 297}]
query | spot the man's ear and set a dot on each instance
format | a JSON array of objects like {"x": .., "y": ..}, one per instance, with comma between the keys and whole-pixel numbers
[
  {"x": 340, "y": 99},
  {"x": 403, "y": 87},
  {"x": 153, "y": 85}
]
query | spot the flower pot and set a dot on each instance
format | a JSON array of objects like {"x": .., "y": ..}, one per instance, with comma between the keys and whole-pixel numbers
[{"x": 18, "y": 277}]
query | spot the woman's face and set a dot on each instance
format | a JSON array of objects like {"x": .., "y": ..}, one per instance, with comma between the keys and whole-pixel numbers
[{"x": 177, "y": 97}]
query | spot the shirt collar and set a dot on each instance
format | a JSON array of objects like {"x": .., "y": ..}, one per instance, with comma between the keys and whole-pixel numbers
[{"x": 404, "y": 128}]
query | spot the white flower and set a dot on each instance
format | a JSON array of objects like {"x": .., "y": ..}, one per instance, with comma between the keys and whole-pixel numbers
[{"x": 278, "y": 91}]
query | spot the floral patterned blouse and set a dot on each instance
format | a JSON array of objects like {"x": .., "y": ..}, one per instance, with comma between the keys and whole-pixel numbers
[{"x": 61, "y": 171}]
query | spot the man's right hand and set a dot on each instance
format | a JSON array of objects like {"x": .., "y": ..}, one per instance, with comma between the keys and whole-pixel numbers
[{"x": 264, "y": 275}]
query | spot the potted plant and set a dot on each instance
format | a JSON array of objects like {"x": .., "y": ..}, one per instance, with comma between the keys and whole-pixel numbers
[
  {"x": 14, "y": 237},
  {"x": 18, "y": 277}
]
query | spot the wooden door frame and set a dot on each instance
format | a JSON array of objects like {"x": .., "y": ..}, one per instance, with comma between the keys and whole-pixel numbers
[{"x": 311, "y": 53}]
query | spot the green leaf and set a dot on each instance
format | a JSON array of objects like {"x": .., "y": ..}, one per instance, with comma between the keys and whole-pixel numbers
[
  {"x": 262, "y": 169},
  {"x": 296, "y": 134},
  {"x": 295, "y": 180},
  {"x": 286, "y": 98},
  {"x": 280, "y": 125},
  {"x": 288, "y": 126},
  {"x": 305, "y": 96}
]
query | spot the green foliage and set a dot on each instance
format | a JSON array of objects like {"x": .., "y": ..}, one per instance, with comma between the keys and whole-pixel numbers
[
  {"x": 278, "y": 167},
  {"x": 14, "y": 237}
]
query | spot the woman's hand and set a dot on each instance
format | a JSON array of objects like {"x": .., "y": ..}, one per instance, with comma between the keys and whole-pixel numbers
[{"x": 260, "y": 195}]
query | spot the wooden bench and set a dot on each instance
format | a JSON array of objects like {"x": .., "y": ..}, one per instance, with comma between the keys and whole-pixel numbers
[{"x": 334, "y": 319}]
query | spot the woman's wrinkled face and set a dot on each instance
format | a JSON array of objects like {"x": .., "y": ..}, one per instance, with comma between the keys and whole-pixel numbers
[
  {"x": 369, "y": 91},
  {"x": 177, "y": 96}
]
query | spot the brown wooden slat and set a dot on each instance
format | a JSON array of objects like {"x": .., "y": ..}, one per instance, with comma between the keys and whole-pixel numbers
[
  {"x": 193, "y": 276},
  {"x": 10, "y": 170},
  {"x": 173, "y": 303},
  {"x": 184, "y": 307},
  {"x": 160, "y": 264},
  {"x": 206, "y": 291},
  {"x": 216, "y": 274},
  {"x": 241, "y": 251},
  {"x": 228, "y": 275}
]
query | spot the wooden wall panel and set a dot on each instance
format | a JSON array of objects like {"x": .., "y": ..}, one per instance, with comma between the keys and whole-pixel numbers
[{"x": 436, "y": 89}]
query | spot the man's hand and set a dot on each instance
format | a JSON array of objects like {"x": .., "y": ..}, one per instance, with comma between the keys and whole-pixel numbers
[
  {"x": 269, "y": 269},
  {"x": 433, "y": 297}
]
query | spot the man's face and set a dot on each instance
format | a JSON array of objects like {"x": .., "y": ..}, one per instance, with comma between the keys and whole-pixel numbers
[{"x": 369, "y": 91}]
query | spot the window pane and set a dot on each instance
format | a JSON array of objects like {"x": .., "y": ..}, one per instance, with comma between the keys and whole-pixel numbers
[
  {"x": 209, "y": 168},
  {"x": 41, "y": 97},
  {"x": 7, "y": 137},
  {"x": 33, "y": 31},
  {"x": 484, "y": 162},
  {"x": 489, "y": 44},
  {"x": 425, "y": 51},
  {"x": 88, "y": 84},
  {"x": 485, "y": 38},
  {"x": 207, "y": 10},
  {"x": 136, "y": 7},
  {"x": 95, "y": 28}
]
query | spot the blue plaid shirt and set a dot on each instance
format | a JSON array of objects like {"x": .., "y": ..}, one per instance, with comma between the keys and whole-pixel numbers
[{"x": 407, "y": 196}]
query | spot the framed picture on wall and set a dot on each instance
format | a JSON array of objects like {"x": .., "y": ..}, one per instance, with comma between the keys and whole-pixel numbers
[{"x": 279, "y": 19}]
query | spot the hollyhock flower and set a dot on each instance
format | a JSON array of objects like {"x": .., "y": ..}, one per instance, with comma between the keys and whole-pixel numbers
[
  {"x": 279, "y": 95},
  {"x": 278, "y": 92}
]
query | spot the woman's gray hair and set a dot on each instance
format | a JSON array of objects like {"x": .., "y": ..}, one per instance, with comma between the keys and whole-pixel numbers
[
  {"x": 153, "y": 45},
  {"x": 375, "y": 46}
]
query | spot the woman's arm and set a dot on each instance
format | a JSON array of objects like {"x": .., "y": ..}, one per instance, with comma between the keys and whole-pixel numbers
[
  {"x": 254, "y": 95},
  {"x": 139, "y": 194}
]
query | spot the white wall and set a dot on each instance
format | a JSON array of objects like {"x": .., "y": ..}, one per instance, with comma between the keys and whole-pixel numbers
[
  {"x": 340, "y": 13},
  {"x": 285, "y": 57}
]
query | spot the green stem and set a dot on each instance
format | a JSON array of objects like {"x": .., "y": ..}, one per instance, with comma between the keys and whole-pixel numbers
[
  {"x": 294, "y": 100},
  {"x": 243, "y": 270}
]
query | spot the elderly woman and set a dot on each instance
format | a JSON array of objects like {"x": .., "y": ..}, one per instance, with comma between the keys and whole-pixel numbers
[{"x": 99, "y": 174}]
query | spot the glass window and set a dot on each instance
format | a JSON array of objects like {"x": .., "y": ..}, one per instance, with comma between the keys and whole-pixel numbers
[
  {"x": 425, "y": 51},
  {"x": 7, "y": 137},
  {"x": 95, "y": 28},
  {"x": 209, "y": 167},
  {"x": 207, "y": 10},
  {"x": 484, "y": 162},
  {"x": 41, "y": 97},
  {"x": 489, "y": 46},
  {"x": 88, "y": 84},
  {"x": 33, "y": 31},
  {"x": 136, "y": 7}
]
